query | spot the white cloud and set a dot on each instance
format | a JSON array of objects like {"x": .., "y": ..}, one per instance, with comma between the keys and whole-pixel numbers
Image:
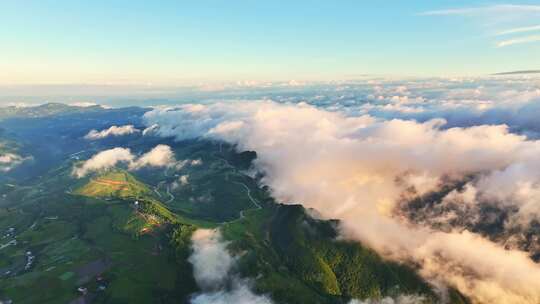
[
  {"x": 495, "y": 16},
  {"x": 356, "y": 169},
  {"x": 83, "y": 104},
  {"x": 179, "y": 165},
  {"x": 184, "y": 180},
  {"x": 150, "y": 130},
  {"x": 112, "y": 131},
  {"x": 8, "y": 161},
  {"x": 160, "y": 156},
  {"x": 212, "y": 268},
  {"x": 16, "y": 105},
  {"x": 504, "y": 100},
  {"x": 103, "y": 160},
  {"x": 240, "y": 294},
  {"x": 520, "y": 40},
  {"x": 483, "y": 10},
  {"x": 519, "y": 30},
  {"x": 516, "y": 185},
  {"x": 210, "y": 259},
  {"x": 196, "y": 162}
]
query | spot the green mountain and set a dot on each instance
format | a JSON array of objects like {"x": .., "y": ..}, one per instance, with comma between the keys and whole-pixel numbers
[{"x": 298, "y": 260}]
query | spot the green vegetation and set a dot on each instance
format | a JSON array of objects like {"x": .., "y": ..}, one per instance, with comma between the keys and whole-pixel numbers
[
  {"x": 84, "y": 233},
  {"x": 215, "y": 190},
  {"x": 298, "y": 260},
  {"x": 77, "y": 238}
]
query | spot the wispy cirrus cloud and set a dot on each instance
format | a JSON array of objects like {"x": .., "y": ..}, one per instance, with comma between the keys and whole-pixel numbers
[
  {"x": 485, "y": 10},
  {"x": 499, "y": 20},
  {"x": 517, "y": 30},
  {"x": 520, "y": 40}
]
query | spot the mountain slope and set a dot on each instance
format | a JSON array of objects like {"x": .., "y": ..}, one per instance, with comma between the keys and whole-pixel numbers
[
  {"x": 44, "y": 110},
  {"x": 297, "y": 259}
]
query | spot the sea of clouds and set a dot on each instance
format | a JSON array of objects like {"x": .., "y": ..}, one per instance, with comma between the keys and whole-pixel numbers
[{"x": 360, "y": 152}]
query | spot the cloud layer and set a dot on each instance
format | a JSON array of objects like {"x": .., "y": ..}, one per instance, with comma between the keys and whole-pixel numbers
[{"x": 357, "y": 169}]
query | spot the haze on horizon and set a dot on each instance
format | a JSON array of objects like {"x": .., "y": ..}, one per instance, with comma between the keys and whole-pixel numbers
[{"x": 186, "y": 43}]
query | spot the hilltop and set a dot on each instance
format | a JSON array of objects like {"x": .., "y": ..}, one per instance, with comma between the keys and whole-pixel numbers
[{"x": 115, "y": 183}]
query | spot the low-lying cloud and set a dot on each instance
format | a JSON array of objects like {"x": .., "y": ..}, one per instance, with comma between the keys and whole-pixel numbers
[
  {"x": 213, "y": 272},
  {"x": 150, "y": 130},
  {"x": 182, "y": 181},
  {"x": 8, "y": 161},
  {"x": 159, "y": 156},
  {"x": 112, "y": 131},
  {"x": 357, "y": 169}
]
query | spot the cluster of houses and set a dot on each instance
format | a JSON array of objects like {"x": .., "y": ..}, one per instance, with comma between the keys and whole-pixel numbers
[
  {"x": 10, "y": 233},
  {"x": 101, "y": 286},
  {"x": 29, "y": 260}
]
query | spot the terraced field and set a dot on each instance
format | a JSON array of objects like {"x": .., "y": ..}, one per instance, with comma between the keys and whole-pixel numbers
[{"x": 116, "y": 183}]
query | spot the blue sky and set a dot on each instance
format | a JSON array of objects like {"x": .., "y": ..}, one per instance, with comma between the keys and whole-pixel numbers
[{"x": 176, "y": 42}]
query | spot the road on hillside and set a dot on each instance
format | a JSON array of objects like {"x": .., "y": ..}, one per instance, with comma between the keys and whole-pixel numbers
[{"x": 170, "y": 195}]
